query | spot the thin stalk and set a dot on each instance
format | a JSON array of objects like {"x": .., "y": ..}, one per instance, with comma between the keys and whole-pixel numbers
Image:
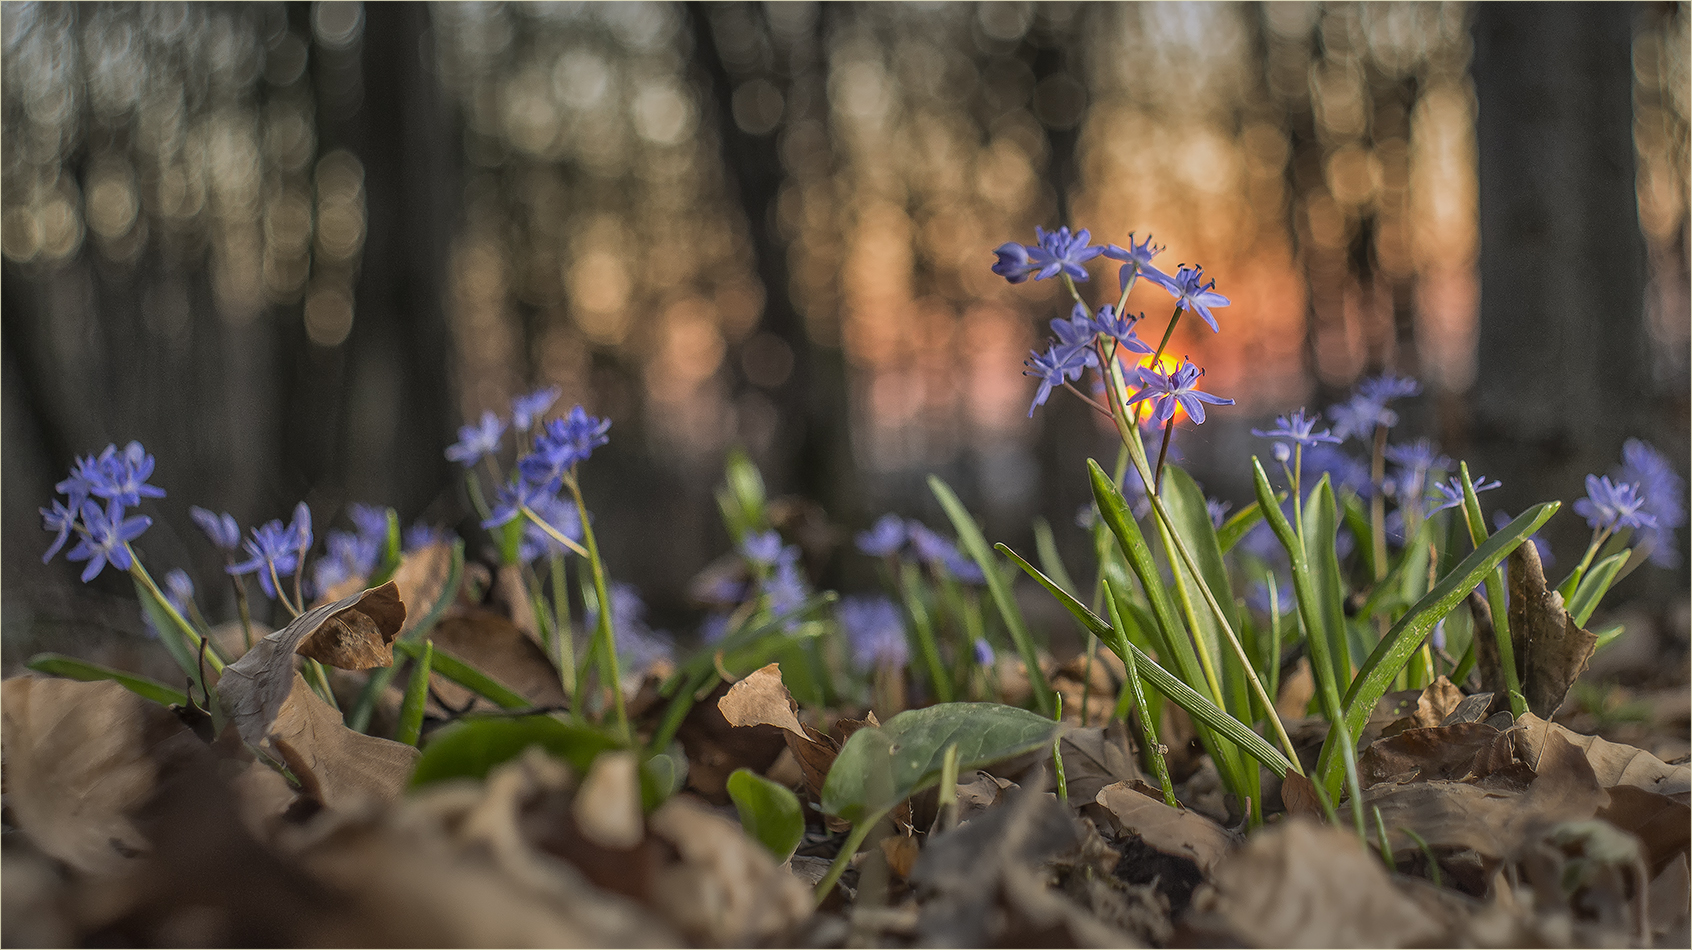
[
  {"x": 563, "y": 641},
  {"x": 1162, "y": 453},
  {"x": 241, "y": 605},
  {"x": 474, "y": 486},
  {"x": 947, "y": 814},
  {"x": 1495, "y": 588},
  {"x": 604, "y": 633},
  {"x": 854, "y": 838},
  {"x": 552, "y": 532}
]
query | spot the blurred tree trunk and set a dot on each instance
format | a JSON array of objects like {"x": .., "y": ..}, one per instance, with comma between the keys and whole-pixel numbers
[{"x": 1561, "y": 372}]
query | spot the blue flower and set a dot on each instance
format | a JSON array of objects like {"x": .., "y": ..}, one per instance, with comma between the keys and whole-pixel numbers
[
  {"x": 84, "y": 473},
  {"x": 786, "y": 588},
  {"x": 563, "y": 443},
  {"x": 1297, "y": 428},
  {"x": 1119, "y": 328},
  {"x": 1500, "y": 518},
  {"x": 1138, "y": 261},
  {"x": 370, "y": 520},
  {"x": 1013, "y": 264},
  {"x": 179, "y": 589},
  {"x": 1054, "y": 368},
  {"x": 762, "y": 548},
  {"x": 1611, "y": 506},
  {"x": 929, "y": 547},
  {"x": 1192, "y": 293},
  {"x": 1178, "y": 387},
  {"x": 1664, "y": 493},
  {"x": 1076, "y": 334},
  {"x": 1218, "y": 510},
  {"x": 221, "y": 529},
  {"x": 983, "y": 652},
  {"x": 421, "y": 535},
  {"x": 512, "y": 497},
  {"x": 875, "y": 630},
  {"x": 1358, "y": 416},
  {"x": 964, "y": 568},
  {"x": 275, "y": 547},
  {"x": 348, "y": 555},
  {"x": 107, "y": 539},
  {"x": 1387, "y": 387},
  {"x": 527, "y": 410},
  {"x": 1342, "y": 470},
  {"x": 122, "y": 476},
  {"x": 1449, "y": 493},
  {"x": 1060, "y": 252},
  {"x": 562, "y": 516},
  {"x": 884, "y": 538},
  {"x": 475, "y": 441},
  {"x": 1414, "y": 461},
  {"x": 60, "y": 518}
]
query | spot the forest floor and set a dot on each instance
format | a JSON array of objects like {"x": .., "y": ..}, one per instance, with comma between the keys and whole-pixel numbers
[{"x": 125, "y": 827}]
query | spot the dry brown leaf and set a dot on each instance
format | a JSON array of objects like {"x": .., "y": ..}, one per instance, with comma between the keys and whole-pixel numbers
[
  {"x": 1662, "y": 825},
  {"x": 253, "y": 688},
  {"x": 762, "y": 700},
  {"x": 81, "y": 760},
  {"x": 1177, "y": 832},
  {"x": 1612, "y": 762},
  {"x": 1298, "y": 688},
  {"x": 1671, "y": 904},
  {"x": 421, "y": 578},
  {"x": 1435, "y": 703},
  {"x": 715, "y": 748},
  {"x": 1550, "y": 647},
  {"x": 1299, "y": 797},
  {"x": 901, "y": 852},
  {"x": 1447, "y": 752},
  {"x": 335, "y": 763},
  {"x": 726, "y": 889},
  {"x": 607, "y": 806},
  {"x": 1302, "y": 884},
  {"x": 493, "y": 644},
  {"x": 1096, "y": 756}
]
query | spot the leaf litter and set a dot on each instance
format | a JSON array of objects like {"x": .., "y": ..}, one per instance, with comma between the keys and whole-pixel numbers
[{"x": 135, "y": 829}]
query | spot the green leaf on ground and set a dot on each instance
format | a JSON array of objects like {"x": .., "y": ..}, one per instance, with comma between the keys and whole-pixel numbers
[
  {"x": 768, "y": 811},
  {"x": 916, "y": 741}
]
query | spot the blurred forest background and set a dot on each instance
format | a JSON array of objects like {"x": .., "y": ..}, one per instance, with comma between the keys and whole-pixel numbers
[{"x": 292, "y": 246}]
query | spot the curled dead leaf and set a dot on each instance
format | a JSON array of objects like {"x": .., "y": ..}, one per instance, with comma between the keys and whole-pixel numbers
[
  {"x": 761, "y": 699},
  {"x": 1177, "y": 832},
  {"x": 1550, "y": 647}
]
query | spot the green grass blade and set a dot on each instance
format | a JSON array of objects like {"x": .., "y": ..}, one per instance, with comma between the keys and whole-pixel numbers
[
  {"x": 390, "y": 553},
  {"x": 1496, "y": 587},
  {"x": 921, "y": 638},
  {"x": 416, "y": 697},
  {"x": 466, "y": 676},
  {"x": 57, "y": 664},
  {"x": 1595, "y": 585},
  {"x": 1185, "y": 503},
  {"x": 1148, "y": 723},
  {"x": 1394, "y": 650},
  {"x": 1206, "y": 714},
  {"x": 1321, "y": 526},
  {"x": 1046, "y": 546},
  {"x": 1236, "y": 526},
  {"x": 973, "y": 541}
]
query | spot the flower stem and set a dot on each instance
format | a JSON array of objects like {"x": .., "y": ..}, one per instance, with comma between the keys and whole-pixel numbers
[
  {"x": 563, "y": 641},
  {"x": 552, "y": 532},
  {"x": 1162, "y": 453},
  {"x": 241, "y": 605},
  {"x": 146, "y": 580},
  {"x": 607, "y": 638}
]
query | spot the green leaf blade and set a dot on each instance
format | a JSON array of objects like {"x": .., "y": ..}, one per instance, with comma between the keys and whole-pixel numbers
[{"x": 769, "y": 812}]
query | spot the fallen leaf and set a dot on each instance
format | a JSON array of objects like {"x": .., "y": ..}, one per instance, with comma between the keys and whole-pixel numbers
[
  {"x": 421, "y": 578},
  {"x": 762, "y": 700},
  {"x": 1299, "y": 796},
  {"x": 337, "y": 764},
  {"x": 901, "y": 852},
  {"x": 982, "y": 885},
  {"x": 1436, "y": 702},
  {"x": 1551, "y": 649},
  {"x": 1177, "y": 832},
  {"x": 1298, "y": 688},
  {"x": 81, "y": 760},
  {"x": 1662, "y": 825},
  {"x": 1097, "y": 756},
  {"x": 1670, "y": 898},
  {"x": 494, "y": 645},
  {"x": 725, "y": 889},
  {"x": 1612, "y": 762},
  {"x": 1443, "y": 752},
  {"x": 1302, "y": 884},
  {"x": 253, "y": 688},
  {"x": 715, "y": 748},
  {"x": 607, "y": 805}
]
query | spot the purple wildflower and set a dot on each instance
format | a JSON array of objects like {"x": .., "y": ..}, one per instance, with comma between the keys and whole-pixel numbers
[
  {"x": 475, "y": 441},
  {"x": 1060, "y": 252},
  {"x": 1612, "y": 507},
  {"x": 875, "y": 630},
  {"x": 1166, "y": 390},
  {"x": 107, "y": 539},
  {"x": 884, "y": 538},
  {"x": 1137, "y": 260},
  {"x": 1192, "y": 293}
]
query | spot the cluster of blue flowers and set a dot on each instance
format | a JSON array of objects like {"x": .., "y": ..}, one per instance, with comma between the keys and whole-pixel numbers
[
  {"x": 875, "y": 630},
  {"x": 639, "y": 647},
  {"x": 1078, "y": 341},
  {"x": 892, "y": 536},
  {"x": 557, "y": 446},
  {"x": 103, "y": 532}
]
